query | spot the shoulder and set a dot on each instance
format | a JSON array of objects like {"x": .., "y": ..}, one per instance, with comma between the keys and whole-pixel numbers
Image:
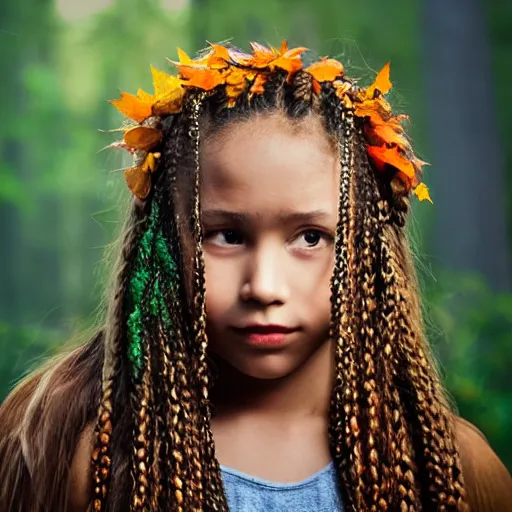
[
  {"x": 488, "y": 483},
  {"x": 80, "y": 478}
]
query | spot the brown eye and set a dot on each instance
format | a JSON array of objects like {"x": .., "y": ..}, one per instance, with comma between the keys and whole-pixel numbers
[
  {"x": 312, "y": 239},
  {"x": 225, "y": 237}
]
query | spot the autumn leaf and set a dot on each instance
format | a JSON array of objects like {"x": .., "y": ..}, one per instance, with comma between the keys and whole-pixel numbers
[
  {"x": 219, "y": 58},
  {"x": 378, "y": 110},
  {"x": 184, "y": 58},
  {"x": 132, "y": 107},
  {"x": 257, "y": 86},
  {"x": 387, "y": 133},
  {"x": 382, "y": 83},
  {"x": 142, "y": 138},
  {"x": 138, "y": 178},
  {"x": 325, "y": 70},
  {"x": 382, "y": 156},
  {"x": 286, "y": 59},
  {"x": 144, "y": 96},
  {"x": 422, "y": 193},
  {"x": 202, "y": 78},
  {"x": 138, "y": 182},
  {"x": 150, "y": 162}
]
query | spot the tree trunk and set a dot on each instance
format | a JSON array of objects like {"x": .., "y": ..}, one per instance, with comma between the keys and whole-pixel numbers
[{"x": 469, "y": 231}]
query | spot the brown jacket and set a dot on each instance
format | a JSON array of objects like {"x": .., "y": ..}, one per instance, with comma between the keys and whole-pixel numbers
[{"x": 488, "y": 483}]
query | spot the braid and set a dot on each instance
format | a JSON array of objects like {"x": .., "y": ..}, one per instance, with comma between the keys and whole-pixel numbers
[
  {"x": 212, "y": 482},
  {"x": 403, "y": 487},
  {"x": 344, "y": 426},
  {"x": 365, "y": 302},
  {"x": 101, "y": 457},
  {"x": 142, "y": 454},
  {"x": 443, "y": 482}
]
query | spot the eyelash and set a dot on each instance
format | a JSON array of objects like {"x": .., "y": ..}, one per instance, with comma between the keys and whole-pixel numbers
[{"x": 322, "y": 235}]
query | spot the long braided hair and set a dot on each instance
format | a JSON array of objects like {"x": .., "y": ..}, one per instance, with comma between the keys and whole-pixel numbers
[{"x": 390, "y": 431}]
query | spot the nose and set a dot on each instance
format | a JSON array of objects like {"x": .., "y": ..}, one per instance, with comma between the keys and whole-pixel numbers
[{"x": 265, "y": 276}]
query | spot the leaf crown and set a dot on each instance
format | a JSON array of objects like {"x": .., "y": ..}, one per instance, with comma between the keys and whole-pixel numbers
[{"x": 387, "y": 144}]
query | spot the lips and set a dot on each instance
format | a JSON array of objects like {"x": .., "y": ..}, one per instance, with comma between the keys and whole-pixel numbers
[
  {"x": 270, "y": 336},
  {"x": 266, "y": 329}
]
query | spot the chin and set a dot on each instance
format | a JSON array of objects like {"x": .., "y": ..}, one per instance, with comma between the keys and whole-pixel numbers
[{"x": 266, "y": 366}]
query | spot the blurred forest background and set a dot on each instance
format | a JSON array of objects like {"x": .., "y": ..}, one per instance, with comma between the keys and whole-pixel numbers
[{"x": 60, "y": 201}]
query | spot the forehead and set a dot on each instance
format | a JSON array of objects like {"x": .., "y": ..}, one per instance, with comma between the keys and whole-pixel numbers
[{"x": 266, "y": 163}]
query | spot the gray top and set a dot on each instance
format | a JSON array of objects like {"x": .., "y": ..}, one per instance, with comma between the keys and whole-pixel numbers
[{"x": 318, "y": 493}]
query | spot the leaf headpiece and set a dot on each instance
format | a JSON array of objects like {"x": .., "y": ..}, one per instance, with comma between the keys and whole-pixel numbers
[{"x": 387, "y": 144}]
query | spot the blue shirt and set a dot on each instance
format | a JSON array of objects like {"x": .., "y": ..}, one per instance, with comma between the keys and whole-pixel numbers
[{"x": 318, "y": 493}]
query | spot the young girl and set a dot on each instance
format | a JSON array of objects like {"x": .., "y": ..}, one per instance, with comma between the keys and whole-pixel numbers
[{"x": 263, "y": 347}]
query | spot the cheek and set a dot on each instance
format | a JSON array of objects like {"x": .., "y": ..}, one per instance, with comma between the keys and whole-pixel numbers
[{"x": 220, "y": 284}]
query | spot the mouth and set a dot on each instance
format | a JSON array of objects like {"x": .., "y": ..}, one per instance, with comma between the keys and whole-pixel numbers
[{"x": 270, "y": 335}]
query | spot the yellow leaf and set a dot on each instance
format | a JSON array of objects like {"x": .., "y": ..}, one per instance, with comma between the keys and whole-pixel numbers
[
  {"x": 169, "y": 103},
  {"x": 150, "y": 162},
  {"x": 164, "y": 83},
  {"x": 184, "y": 58},
  {"x": 422, "y": 193}
]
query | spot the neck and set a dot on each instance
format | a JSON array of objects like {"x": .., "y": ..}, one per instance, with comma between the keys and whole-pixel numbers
[{"x": 305, "y": 392}]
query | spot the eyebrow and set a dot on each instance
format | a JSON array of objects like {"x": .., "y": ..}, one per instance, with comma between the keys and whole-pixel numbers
[{"x": 286, "y": 217}]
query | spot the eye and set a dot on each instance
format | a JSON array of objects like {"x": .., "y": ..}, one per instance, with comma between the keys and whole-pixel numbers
[
  {"x": 312, "y": 238},
  {"x": 224, "y": 237}
]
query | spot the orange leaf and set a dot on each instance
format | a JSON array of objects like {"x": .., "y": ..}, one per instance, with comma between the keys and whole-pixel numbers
[
  {"x": 138, "y": 181},
  {"x": 386, "y": 133},
  {"x": 142, "y": 138},
  {"x": 378, "y": 110},
  {"x": 325, "y": 70},
  {"x": 381, "y": 84},
  {"x": 257, "y": 86},
  {"x": 132, "y": 107},
  {"x": 290, "y": 64},
  {"x": 219, "y": 58},
  {"x": 422, "y": 193},
  {"x": 382, "y": 156},
  {"x": 202, "y": 78}
]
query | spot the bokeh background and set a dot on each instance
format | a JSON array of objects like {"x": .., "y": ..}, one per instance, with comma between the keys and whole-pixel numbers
[{"x": 61, "y": 199}]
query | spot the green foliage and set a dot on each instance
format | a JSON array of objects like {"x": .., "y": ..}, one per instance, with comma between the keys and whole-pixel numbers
[{"x": 470, "y": 328}]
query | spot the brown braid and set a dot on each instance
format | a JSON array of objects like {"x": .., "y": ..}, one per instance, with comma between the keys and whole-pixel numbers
[
  {"x": 366, "y": 232},
  {"x": 113, "y": 356},
  {"x": 213, "y": 486},
  {"x": 389, "y": 430},
  {"x": 444, "y": 483},
  {"x": 143, "y": 433}
]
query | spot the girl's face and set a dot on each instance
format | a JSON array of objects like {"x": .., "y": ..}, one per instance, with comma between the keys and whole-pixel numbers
[{"x": 269, "y": 207}]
